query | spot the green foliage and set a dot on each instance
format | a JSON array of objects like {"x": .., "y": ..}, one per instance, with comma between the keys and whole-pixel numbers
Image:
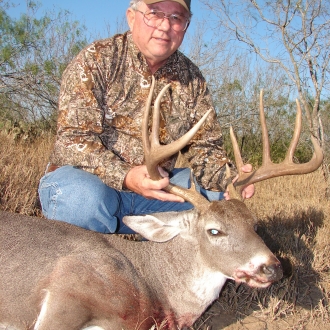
[
  {"x": 49, "y": 67},
  {"x": 280, "y": 118},
  {"x": 34, "y": 52},
  {"x": 26, "y": 131},
  {"x": 251, "y": 148}
]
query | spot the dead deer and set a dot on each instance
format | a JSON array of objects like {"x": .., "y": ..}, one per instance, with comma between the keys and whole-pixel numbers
[{"x": 55, "y": 276}]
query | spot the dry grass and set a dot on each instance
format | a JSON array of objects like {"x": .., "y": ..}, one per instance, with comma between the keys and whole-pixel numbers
[
  {"x": 21, "y": 167},
  {"x": 294, "y": 221}
]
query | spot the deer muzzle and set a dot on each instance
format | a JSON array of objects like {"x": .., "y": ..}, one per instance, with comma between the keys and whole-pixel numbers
[{"x": 260, "y": 276}]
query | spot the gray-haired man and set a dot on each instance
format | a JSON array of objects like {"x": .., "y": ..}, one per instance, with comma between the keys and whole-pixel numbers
[{"x": 96, "y": 173}]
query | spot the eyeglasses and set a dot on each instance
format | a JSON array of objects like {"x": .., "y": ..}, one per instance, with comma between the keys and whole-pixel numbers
[{"x": 155, "y": 18}]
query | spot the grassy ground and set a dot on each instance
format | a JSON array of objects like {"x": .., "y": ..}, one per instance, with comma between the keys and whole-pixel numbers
[
  {"x": 21, "y": 167},
  {"x": 294, "y": 221}
]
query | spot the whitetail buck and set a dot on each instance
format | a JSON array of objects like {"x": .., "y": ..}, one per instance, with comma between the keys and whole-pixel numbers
[{"x": 55, "y": 276}]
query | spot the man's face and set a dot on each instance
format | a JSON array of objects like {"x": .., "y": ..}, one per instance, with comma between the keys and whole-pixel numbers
[{"x": 156, "y": 44}]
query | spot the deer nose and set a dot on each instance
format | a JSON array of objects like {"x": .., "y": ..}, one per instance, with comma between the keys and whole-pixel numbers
[{"x": 273, "y": 272}]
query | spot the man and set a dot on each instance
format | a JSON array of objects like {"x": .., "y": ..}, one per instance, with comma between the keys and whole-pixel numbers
[{"x": 96, "y": 173}]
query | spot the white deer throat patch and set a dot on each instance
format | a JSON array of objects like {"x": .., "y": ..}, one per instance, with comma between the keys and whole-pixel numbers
[{"x": 208, "y": 285}]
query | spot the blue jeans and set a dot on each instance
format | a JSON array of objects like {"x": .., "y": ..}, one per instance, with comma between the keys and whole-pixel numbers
[{"x": 72, "y": 195}]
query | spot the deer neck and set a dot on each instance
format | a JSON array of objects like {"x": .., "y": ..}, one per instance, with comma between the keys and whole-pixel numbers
[{"x": 186, "y": 291}]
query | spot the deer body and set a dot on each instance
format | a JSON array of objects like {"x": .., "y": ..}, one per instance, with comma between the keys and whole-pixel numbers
[{"x": 58, "y": 276}]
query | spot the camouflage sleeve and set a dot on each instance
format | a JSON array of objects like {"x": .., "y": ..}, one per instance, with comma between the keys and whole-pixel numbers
[
  {"x": 206, "y": 153},
  {"x": 80, "y": 123}
]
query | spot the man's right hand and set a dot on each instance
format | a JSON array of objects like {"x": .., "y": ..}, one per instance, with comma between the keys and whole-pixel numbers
[{"x": 138, "y": 181}]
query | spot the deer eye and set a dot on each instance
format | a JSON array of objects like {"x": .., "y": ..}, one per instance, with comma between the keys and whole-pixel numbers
[{"x": 215, "y": 232}]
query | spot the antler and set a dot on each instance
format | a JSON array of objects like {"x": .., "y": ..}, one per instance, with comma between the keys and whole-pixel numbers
[
  {"x": 268, "y": 168},
  {"x": 154, "y": 153}
]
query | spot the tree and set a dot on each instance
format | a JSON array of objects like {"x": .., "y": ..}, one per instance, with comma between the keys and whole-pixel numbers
[
  {"x": 34, "y": 52},
  {"x": 294, "y": 35},
  {"x": 235, "y": 80}
]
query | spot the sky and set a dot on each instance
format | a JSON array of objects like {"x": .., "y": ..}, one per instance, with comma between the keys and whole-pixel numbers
[{"x": 94, "y": 14}]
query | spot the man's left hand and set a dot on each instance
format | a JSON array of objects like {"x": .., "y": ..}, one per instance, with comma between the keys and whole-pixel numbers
[{"x": 248, "y": 191}]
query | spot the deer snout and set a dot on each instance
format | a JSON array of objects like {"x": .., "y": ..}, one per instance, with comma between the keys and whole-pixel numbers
[
  {"x": 272, "y": 272},
  {"x": 260, "y": 274}
]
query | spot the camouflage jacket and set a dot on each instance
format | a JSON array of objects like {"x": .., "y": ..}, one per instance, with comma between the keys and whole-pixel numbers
[{"x": 103, "y": 92}]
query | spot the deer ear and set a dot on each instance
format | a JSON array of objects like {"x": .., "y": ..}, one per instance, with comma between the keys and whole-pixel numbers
[
  {"x": 163, "y": 226},
  {"x": 152, "y": 228}
]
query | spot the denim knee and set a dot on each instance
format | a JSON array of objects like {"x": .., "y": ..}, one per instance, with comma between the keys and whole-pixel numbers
[
  {"x": 48, "y": 192},
  {"x": 80, "y": 198}
]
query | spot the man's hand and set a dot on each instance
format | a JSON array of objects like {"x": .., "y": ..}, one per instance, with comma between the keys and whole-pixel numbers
[
  {"x": 248, "y": 191},
  {"x": 138, "y": 181}
]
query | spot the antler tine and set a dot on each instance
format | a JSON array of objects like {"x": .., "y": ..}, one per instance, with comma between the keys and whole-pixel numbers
[
  {"x": 296, "y": 135},
  {"x": 287, "y": 167},
  {"x": 147, "y": 148},
  {"x": 266, "y": 160},
  {"x": 237, "y": 154},
  {"x": 144, "y": 126},
  {"x": 230, "y": 185},
  {"x": 156, "y": 116},
  {"x": 155, "y": 153}
]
